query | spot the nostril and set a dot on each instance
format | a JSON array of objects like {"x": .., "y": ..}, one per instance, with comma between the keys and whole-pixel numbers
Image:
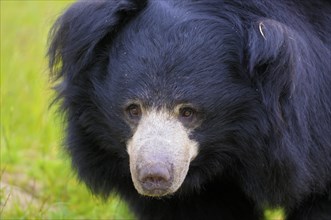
[
  {"x": 155, "y": 176},
  {"x": 155, "y": 179}
]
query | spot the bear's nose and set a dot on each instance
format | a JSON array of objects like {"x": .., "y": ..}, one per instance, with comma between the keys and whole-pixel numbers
[{"x": 155, "y": 178}]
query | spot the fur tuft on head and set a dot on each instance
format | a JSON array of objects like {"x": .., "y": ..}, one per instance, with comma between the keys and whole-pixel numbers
[{"x": 76, "y": 35}]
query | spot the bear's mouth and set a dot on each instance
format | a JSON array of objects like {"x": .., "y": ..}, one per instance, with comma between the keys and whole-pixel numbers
[
  {"x": 160, "y": 153},
  {"x": 156, "y": 178}
]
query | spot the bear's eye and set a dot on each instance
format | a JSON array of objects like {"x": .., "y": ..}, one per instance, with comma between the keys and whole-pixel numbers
[
  {"x": 188, "y": 116},
  {"x": 134, "y": 111},
  {"x": 186, "y": 113}
]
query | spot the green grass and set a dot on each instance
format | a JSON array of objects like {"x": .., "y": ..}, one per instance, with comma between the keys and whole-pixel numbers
[{"x": 36, "y": 180}]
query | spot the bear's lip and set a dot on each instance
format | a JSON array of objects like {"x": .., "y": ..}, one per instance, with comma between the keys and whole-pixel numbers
[
  {"x": 156, "y": 192},
  {"x": 154, "y": 187}
]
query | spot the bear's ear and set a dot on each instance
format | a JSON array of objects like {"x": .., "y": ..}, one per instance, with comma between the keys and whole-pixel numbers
[
  {"x": 275, "y": 54},
  {"x": 77, "y": 33}
]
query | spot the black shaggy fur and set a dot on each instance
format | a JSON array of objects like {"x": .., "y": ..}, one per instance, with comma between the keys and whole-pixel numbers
[{"x": 259, "y": 72}]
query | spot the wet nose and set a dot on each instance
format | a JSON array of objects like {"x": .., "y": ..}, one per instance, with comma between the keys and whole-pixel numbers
[{"x": 155, "y": 178}]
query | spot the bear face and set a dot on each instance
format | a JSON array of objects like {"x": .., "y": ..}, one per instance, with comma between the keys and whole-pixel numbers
[{"x": 150, "y": 86}]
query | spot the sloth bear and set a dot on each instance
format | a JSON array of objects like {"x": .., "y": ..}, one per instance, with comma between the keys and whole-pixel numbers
[{"x": 211, "y": 109}]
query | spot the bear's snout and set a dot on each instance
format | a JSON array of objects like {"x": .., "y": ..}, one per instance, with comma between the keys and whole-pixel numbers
[
  {"x": 160, "y": 153},
  {"x": 156, "y": 178}
]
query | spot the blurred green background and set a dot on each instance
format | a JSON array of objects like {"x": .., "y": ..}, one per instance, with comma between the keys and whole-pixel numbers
[{"x": 36, "y": 180}]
